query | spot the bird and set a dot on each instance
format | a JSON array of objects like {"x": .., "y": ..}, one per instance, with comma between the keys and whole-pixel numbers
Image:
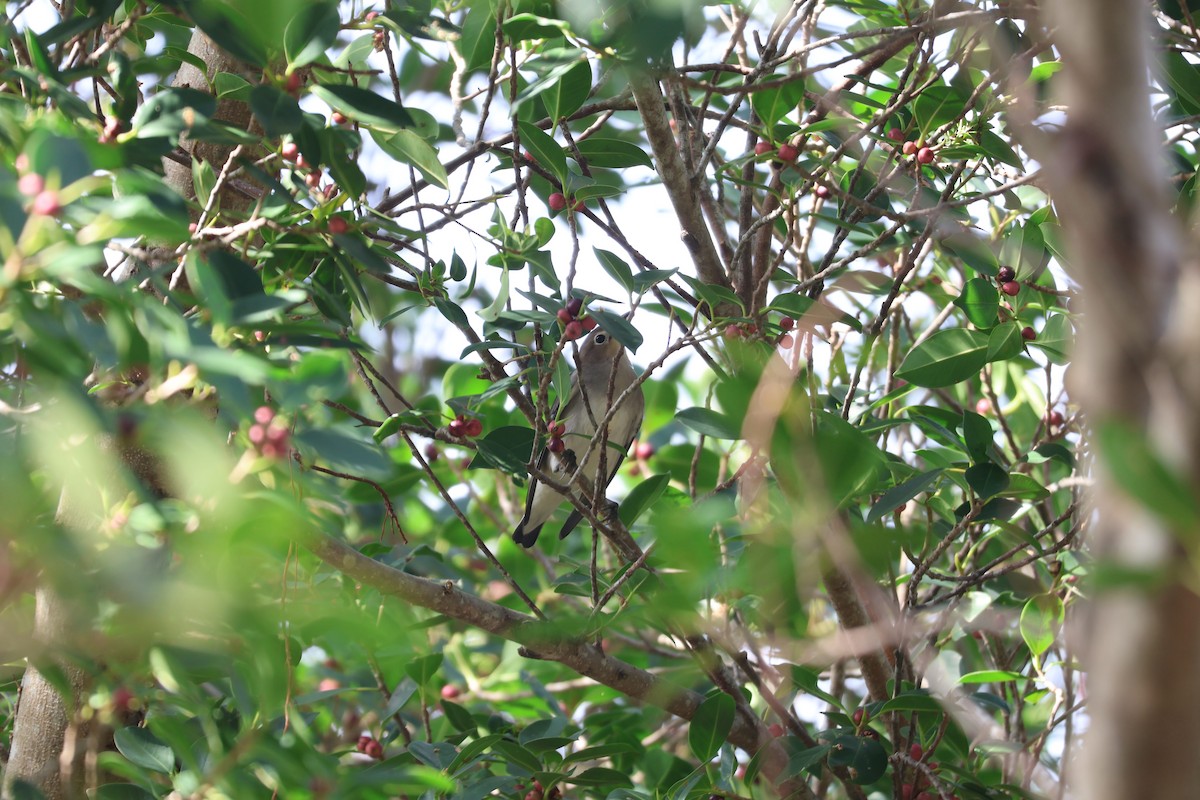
[{"x": 603, "y": 362}]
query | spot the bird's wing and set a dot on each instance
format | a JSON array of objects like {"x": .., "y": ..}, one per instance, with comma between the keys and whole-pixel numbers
[{"x": 524, "y": 536}]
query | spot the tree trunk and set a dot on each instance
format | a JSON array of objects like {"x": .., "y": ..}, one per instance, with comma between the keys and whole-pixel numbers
[
  {"x": 44, "y": 715},
  {"x": 1135, "y": 372}
]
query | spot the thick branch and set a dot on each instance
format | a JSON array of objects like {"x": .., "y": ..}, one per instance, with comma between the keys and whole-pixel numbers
[
  {"x": 1135, "y": 368},
  {"x": 545, "y": 641},
  {"x": 680, "y": 188}
]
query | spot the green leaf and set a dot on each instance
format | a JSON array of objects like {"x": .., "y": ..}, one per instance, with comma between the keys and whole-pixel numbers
[
  {"x": 1140, "y": 473},
  {"x": 987, "y": 480},
  {"x": 109, "y": 791},
  {"x": 1184, "y": 79},
  {"x": 342, "y": 452},
  {"x": 710, "y": 726},
  {"x": 409, "y": 148},
  {"x": 619, "y": 328},
  {"x": 864, "y": 756},
  {"x": 980, "y": 302},
  {"x": 708, "y": 422},
  {"x": 277, "y": 112},
  {"x": 608, "y": 779},
  {"x": 310, "y": 33},
  {"x": 1041, "y": 619},
  {"x": 616, "y": 268},
  {"x": 1005, "y": 342},
  {"x": 367, "y": 107},
  {"x": 1056, "y": 339},
  {"x": 978, "y": 435},
  {"x": 544, "y": 150},
  {"x": 568, "y": 92},
  {"x": 945, "y": 358},
  {"x": 424, "y": 669},
  {"x": 609, "y": 153},
  {"x": 935, "y": 106},
  {"x": 777, "y": 102},
  {"x": 643, "y": 496},
  {"x": 900, "y": 494},
  {"x": 145, "y": 749},
  {"x": 530, "y": 26},
  {"x": 507, "y": 448},
  {"x": 990, "y": 676}
]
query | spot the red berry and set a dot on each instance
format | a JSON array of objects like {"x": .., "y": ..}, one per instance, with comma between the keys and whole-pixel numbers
[
  {"x": 895, "y": 134},
  {"x": 574, "y": 306},
  {"x": 328, "y": 685},
  {"x": 46, "y": 204},
  {"x": 776, "y": 729},
  {"x": 644, "y": 450},
  {"x": 1056, "y": 418},
  {"x": 450, "y": 691},
  {"x": 577, "y": 206},
  {"x": 860, "y": 714},
  {"x": 1028, "y": 334},
  {"x": 374, "y": 750},
  {"x": 456, "y": 427},
  {"x": 338, "y": 118},
  {"x": 926, "y": 155},
  {"x": 1006, "y": 274},
  {"x": 589, "y": 323},
  {"x": 1010, "y": 288},
  {"x": 733, "y": 331},
  {"x": 294, "y": 82},
  {"x": 31, "y": 184},
  {"x": 983, "y": 406},
  {"x": 363, "y": 741},
  {"x": 915, "y": 752},
  {"x": 909, "y": 148},
  {"x": 257, "y": 434},
  {"x": 926, "y": 796},
  {"x": 906, "y": 791},
  {"x": 786, "y": 341},
  {"x": 301, "y": 162},
  {"x": 264, "y": 414},
  {"x": 557, "y": 201},
  {"x": 573, "y": 330},
  {"x": 122, "y": 699},
  {"x": 277, "y": 434},
  {"x": 431, "y": 452},
  {"x": 557, "y": 428},
  {"x": 371, "y": 15},
  {"x": 821, "y": 191},
  {"x": 473, "y": 427},
  {"x": 788, "y": 152},
  {"x": 787, "y": 323},
  {"x": 313, "y": 179},
  {"x": 556, "y": 445},
  {"x": 528, "y": 157},
  {"x": 762, "y": 148},
  {"x": 564, "y": 316},
  {"x": 338, "y": 225}
]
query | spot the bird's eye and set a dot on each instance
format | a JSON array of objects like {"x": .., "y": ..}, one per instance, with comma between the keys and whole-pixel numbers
[{"x": 601, "y": 338}]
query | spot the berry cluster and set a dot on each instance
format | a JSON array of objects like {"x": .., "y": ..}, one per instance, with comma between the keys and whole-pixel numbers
[
  {"x": 741, "y": 330},
  {"x": 45, "y": 201},
  {"x": 557, "y": 431},
  {"x": 269, "y": 433},
  {"x": 920, "y": 788},
  {"x": 313, "y": 174},
  {"x": 464, "y": 427},
  {"x": 787, "y": 152},
  {"x": 538, "y": 793},
  {"x": 1007, "y": 278},
  {"x": 923, "y": 153},
  {"x": 370, "y": 746},
  {"x": 573, "y": 326}
]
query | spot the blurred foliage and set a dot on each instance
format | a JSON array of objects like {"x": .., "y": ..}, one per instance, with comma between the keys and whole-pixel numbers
[{"x": 196, "y": 379}]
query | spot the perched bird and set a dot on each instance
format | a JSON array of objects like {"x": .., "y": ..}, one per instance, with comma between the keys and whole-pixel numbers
[{"x": 602, "y": 363}]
